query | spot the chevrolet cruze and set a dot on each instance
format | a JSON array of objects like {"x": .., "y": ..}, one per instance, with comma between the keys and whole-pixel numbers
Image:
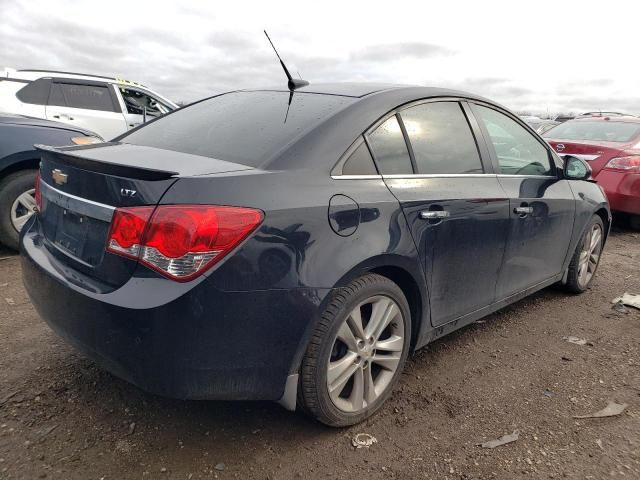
[{"x": 298, "y": 245}]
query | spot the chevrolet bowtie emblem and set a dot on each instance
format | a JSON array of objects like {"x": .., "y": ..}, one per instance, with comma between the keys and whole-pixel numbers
[{"x": 59, "y": 177}]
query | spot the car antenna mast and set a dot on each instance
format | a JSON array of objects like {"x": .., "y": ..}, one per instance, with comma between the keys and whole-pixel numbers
[{"x": 292, "y": 83}]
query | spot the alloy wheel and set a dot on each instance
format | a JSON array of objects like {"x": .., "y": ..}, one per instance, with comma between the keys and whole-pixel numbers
[
  {"x": 366, "y": 354},
  {"x": 590, "y": 254},
  {"x": 23, "y": 208}
]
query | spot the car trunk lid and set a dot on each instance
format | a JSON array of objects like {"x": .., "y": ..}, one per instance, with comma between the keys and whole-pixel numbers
[
  {"x": 596, "y": 154},
  {"x": 82, "y": 186}
]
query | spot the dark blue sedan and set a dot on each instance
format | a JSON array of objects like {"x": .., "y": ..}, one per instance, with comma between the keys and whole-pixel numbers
[
  {"x": 19, "y": 163},
  {"x": 297, "y": 245}
]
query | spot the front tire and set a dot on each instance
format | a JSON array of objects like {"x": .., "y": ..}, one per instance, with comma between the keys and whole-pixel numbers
[
  {"x": 356, "y": 353},
  {"x": 634, "y": 222},
  {"x": 586, "y": 257},
  {"x": 17, "y": 204}
]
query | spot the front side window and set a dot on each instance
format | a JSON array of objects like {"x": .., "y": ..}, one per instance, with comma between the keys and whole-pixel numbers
[
  {"x": 136, "y": 101},
  {"x": 441, "y": 139},
  {"x": 89, "y": 97},
  {"x": 390, "y": 149},
  {"x": 518, "y": 152}
]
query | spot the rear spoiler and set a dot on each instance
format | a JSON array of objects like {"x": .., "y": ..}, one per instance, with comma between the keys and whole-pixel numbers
[{"x": 73, "y": 157}]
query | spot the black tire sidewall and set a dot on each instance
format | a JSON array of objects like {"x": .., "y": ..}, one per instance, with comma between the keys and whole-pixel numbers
[
  {"x": 362, "y": 288},
  {"x": 11, "y": 187},
  {"x": 573, "y": 283}
]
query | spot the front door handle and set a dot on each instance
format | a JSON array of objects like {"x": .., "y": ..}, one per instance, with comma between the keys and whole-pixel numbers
[
  {"x": 434, "y": 214},
  {"x": 523, "y": 211}
]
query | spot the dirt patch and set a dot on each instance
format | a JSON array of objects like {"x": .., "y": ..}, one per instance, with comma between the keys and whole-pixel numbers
[{"x": 63, "y": 418}]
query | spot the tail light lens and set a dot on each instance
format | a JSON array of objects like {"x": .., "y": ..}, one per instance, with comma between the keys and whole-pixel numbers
[
  {"x": 37, "y": 193},
  {"x": 628, "y": 164},
  {"x": 180, "y": 241}
]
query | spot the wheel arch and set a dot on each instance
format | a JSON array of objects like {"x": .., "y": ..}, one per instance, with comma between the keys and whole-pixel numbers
[
  {"x": 604, "y": 215},
  {"x": 28, "y": 160}
]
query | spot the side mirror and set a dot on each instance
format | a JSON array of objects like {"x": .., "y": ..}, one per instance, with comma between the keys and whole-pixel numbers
[{"x": 575, "y": 168}]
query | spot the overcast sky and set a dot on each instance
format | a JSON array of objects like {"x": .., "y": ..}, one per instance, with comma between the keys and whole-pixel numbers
[{"x": 538, "y": 55}]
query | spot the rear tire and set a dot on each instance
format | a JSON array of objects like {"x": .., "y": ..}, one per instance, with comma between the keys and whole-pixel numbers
[
  {"x": 14, "y": 197},
  {"x": 356, "y": 353},
  {"x": 586, "y": 257},
  {"x": 634, "y": 222}
]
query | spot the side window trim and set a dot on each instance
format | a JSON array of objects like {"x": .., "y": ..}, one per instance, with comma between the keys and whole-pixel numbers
[
  {"x": 492, "y": 152},
  {"x": 407, "y": 141},
  {"x": 481, "y": 140}
]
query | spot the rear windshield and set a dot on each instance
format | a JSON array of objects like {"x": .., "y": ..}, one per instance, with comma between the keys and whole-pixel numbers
[
  {"x": 241, "y": 127},
  {"x": 600, "y": 130}
]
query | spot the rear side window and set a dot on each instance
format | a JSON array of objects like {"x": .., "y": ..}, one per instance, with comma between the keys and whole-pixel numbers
[
  {"x": 518, "y": 151},
  {"x": 35, "y": 92},
  {"x": 441, "y": 139},
  {"x": 90, "y": 97},
  {"x": 597, "y": 130},
  {"x": 390, "y": 149},
  {"x": 242, "y": 127},
  {"x": 359, "y": 162}
]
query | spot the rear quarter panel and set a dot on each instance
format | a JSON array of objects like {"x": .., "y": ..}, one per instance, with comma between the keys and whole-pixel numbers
[
  {"x": 16, "y": 142},
  {"x": 296, "y": 246}
]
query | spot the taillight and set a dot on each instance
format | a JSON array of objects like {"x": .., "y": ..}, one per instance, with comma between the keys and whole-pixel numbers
[
  {"x": 628, "y": 164},
  {"x": 127, "y": 230},
  {"x": 180, "y": 241},
  {"x": 37, "y": 193}
]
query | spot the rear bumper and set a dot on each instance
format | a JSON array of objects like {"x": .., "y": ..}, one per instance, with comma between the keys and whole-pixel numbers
[
  {"x": 622, "y": 189},
  {"x": 202, "y": 343}
]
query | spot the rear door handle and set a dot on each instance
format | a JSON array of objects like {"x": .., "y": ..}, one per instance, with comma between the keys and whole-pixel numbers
[
  {"x": 523, "y": 211},
  {"x": 434, "y": 214}
]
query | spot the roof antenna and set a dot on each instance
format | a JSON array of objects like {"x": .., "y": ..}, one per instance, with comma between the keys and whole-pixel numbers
[{"x": 292, "y": 83}]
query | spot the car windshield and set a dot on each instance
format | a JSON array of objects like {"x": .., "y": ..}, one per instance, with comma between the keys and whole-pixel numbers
[
  {"x": 597, "y": 130},
  {"x": 242, "y": 127}
]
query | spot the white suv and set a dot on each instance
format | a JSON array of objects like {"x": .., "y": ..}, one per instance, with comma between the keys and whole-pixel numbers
[{"x": 104, "y": 105}]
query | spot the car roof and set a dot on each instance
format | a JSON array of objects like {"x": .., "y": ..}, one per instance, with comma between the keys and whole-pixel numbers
[
  {"x": 334, "y": 134},
  {"x": 365, "y": 89},
  {"x": 33, "y": 74}
]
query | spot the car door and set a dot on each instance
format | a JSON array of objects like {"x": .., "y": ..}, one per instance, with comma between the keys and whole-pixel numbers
[
  {"x": 541, "y": 203},
  {"x": 453, "y": 203},
  {"x": 86, "y": 104},
  {"x": 140, "y": 106}
]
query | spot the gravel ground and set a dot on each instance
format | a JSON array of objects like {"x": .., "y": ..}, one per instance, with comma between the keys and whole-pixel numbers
[{"x": 63, "y": 418}]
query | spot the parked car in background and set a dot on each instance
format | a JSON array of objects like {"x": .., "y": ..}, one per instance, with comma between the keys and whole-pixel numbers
[
  {"x": 540, "y": 125},
  {"x": 104, "y": 105},
  {"x": 19, "y": 163},
  {"x": 602, "y": 114},
  {"x": 563, "y": 118},
  {"x": 545, "y": 125},
  {"x": 611, "y": 145},
  {"x": 297, "y": 245}
]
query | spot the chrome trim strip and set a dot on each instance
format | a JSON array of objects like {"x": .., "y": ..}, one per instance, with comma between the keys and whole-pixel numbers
[
  {"x": 356, "y": 177},
  {"x": 79, "y": 205},
  {"x": 506, "y": 175},
  {"x": 442, "y": 175}
]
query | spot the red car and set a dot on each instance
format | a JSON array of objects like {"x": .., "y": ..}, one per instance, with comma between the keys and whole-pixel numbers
[{"x": 611, "y": 145}]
